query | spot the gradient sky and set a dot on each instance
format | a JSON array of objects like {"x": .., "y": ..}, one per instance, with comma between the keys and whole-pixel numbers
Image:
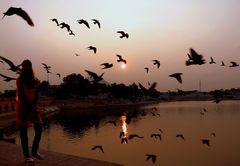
[{"x": 158, "y": 29}]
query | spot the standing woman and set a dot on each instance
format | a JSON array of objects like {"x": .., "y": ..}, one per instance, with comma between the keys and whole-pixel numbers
[{"x": 27, "y": 112}]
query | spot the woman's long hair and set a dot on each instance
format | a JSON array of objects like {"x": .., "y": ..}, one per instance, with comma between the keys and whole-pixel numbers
[{"x": 27, "y": 77}]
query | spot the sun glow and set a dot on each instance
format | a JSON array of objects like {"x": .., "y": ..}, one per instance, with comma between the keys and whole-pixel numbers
[{"x": 123, "y": 66}]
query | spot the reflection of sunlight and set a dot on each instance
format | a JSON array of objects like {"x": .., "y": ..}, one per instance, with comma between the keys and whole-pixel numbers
[{"x": 124, "y": 126}]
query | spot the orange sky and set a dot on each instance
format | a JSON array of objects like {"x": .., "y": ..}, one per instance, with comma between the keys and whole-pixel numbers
[{"x": 158, "y": 29}]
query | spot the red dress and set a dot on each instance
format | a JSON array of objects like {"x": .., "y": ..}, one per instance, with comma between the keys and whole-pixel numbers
[{"x": 27, "y": 111}]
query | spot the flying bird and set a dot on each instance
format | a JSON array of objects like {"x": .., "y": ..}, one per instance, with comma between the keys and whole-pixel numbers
[
  {"x": 82, "y": 21},
  {"x": 13, "y": 67},
  {"x": 6, "y": 78},
  {"x": 96, "y": 78},
  {"x": 180, "y": 136},
  {"x": 45, "y": 66},
  {"x": 153, "y": 157},
  {"x": 98, "y": 147},
  {"x": 233, "y": 64},
  {"x": 177, "y": 76},
  {"x": 64, "y": 25},
  {"x": 156, "y": 62},
  {"x": 92, "y": 48},
  {"x": 123, "y": 34},
  {"x": 106, "y": 65},
  {"x": 55, "y": 20},
  {"x": 20, "y": 12},
  {"x": 212, "y": 61},
  {"x": 194, "y": 58},
  {"x": 120, "y": 59},
  {"x": 206, "y": 141},
  {"x": 95, "y": 21},
  {"x": 151, "y": 91},
  {"x": 131, "y": 136},
  {"x": 147, "y": 69}
]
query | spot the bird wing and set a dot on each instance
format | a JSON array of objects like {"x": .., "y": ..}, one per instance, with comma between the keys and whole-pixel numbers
[
  {"x": 142, "y": 87},
  {"x": 153, "y": 86},
  {"x": 10, "y": 63},
  {"x": 119, "y": 56},
  {"x": 121, "y": 32},
  {"x": 22, "y": 13},
  {"x": 94, "y": 75},
  {"x": 95, "y": 21},
  {"x": 7, "y": 78}
]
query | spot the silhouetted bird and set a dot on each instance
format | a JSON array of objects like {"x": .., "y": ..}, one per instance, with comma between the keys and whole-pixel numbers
[
  {"x": 194, "y": 58},
  {"x": 45, "y": 66},
  {"x": 212, "y": 61},
  {"x": 206, "y": 141},
  {"x": 148, "y": 91},
  {"x": 131, "y": 136},
  {"x": 123, "y": 34},
  {"x": 124, "y": 140},
  {"x": 147, "y": 69},
  {"x": 82, "y": 21},
  {"x": 95, "y": 77},
  {"x": 177, "y": 76},
  {"x": 92, "y": 48},
  {"x": 180, "y": 136},
  {"x": 156, "y": 62},
  {"x": 112, "y": 122},
  {"x": 55, "y": 20},
  {"x": 64, "y": 25},
  {"x": 222, "y": 64},
  {"x": 153, "y": 157},
  {"x": 233, "y": 64},
  {"x": 20, "y": 12},
  {"x": 106, "y": 65},
  {"x": 156, "y": 136},
  {"x": 13, "y": 67},
  {"x": 121, "y": 59},
  {"x": 6, "y": 78},
  {"x": 95, "y": 21},
  {"x": 98, "y": 147}
]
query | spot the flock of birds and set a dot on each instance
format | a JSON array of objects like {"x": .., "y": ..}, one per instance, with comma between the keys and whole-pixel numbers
[
  {"x": 125, "y": 139},
  {"x": 193, "y": 57}
]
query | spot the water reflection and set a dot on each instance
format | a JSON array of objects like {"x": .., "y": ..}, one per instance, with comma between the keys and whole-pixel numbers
[
  {"x": 123, "y": 134},
  {"x": 219, "y": 124}
]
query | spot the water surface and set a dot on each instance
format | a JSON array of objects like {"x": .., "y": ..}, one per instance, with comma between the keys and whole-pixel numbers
[{"x": 76, "y": 136}]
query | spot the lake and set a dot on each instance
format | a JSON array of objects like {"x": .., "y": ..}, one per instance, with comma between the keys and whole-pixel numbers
[{"x": 194, "y": 120}]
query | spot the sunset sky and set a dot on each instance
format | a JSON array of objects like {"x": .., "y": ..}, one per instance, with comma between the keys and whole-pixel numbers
[{"x": 158, "y": 29}]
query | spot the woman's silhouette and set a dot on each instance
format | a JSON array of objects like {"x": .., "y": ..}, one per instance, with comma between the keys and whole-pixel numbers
[{"x": 27, "y": 112}]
